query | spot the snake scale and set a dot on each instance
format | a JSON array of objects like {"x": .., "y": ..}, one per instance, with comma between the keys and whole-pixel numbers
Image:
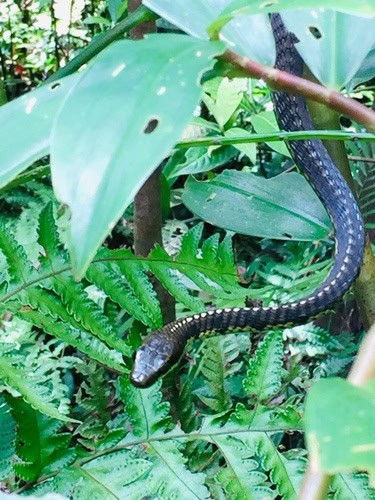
[{"x": 162, "y": 349}]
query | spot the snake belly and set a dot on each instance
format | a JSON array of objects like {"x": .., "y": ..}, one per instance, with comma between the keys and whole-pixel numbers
[{"x": 163, "y": 348}]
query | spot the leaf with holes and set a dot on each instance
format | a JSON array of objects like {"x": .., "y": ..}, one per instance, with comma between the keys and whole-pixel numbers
[
  {"x": 332, "y": 44},
  {"x": 127, "y": 110},
  {"x": 246, "y": 8},
  {"x": 25, "y": 126},
  {"x": 284, "y": 207},
  {"x": 194, "y": 17}
]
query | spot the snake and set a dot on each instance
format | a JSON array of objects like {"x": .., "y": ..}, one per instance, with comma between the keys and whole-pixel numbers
[{"x": 164, "y": 347}]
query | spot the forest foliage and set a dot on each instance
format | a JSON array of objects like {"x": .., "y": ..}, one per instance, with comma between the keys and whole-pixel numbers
[{"x": 240, "y": 225}]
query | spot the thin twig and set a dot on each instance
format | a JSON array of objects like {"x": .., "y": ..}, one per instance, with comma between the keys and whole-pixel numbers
[{"x": 361, "y": 158}]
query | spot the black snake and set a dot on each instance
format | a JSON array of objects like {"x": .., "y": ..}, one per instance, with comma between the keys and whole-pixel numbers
[{"x": 163, "y": 348}]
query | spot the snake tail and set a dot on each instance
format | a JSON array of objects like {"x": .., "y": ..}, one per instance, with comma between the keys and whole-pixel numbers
[{"x": 162, "y": 349}]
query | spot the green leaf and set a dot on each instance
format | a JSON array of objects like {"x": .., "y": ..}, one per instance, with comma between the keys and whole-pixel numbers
[
  {"x": 265, "y": 123},
  {"x": 250, "y": 149},
  {"x": 274, "y": 463},
  {"x": 240, "y": 478},
  {"x": 251, "y": 7},
  {"x": 228, "y": 98},
  {"x": 284, "y": 207},
  {"x": 263, "y": 378},
  {"x": 7, "y": 439},
  {"x": 31, "y": 390},
  {"x": 146, "y": 411},
  {"x": 366, "y": 72},
  {"x": 329, "y": 52},
  {"x": 76, "y": 337},
  {"x": 25, "y": 126},
  {"x": 352, "y": 487},
  {"x": 194, "y": 17},
  {"x": 197, "y": 160},
  {"x": 40, "y": 446},
  {"x": 151, "y": 98},
  {"x": 345, "y": 438}
]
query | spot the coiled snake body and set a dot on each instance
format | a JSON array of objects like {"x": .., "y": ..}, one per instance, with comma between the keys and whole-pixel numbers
[{"x": 164, "y": 347}]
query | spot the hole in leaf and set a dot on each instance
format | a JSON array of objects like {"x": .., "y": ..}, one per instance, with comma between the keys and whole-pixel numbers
[
  {"x": 287, "y": 235},
  {"x": 55, "y": 86},
  {"x": 345, "y": 121},
  {"x": 316, "y": 33},
  {"x": 151, "y": 126}
]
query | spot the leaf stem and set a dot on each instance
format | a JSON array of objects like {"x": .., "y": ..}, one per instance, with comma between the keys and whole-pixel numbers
[
  {"x": 275, "y": 136},
  {"x": 102, "y": 41}
]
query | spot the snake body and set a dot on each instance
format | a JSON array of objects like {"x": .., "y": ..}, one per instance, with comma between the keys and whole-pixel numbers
[{"x": 162, "y": 349}]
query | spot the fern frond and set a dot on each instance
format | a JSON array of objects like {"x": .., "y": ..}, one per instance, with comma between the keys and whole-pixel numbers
[
  {"x": 18, "y": 265},
  {"x": 144, "y": 407},
  {"x": 273, "y": 462},
  {"x": 40, "y": 446},
  {"x": 170, "y": 477},
  {"x": 352, "y": 487},
  {"x": 185, "y": 407},
  {"x": 80, "y": 339},
  {"x": 242, "y": 477},
  {"x": 107, "y": 277},
  {"x": 93, "y": 400},
  {"x": 86, "y": 312},
  {"x": 7, "y": 439},
  {"x": 215, "y": 365},
  {"x": 263, "y": 378},
  {"x": 36, "y": 392}
]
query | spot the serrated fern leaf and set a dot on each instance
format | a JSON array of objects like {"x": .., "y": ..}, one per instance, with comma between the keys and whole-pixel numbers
[
  {"x": 106, "y": 277},
  {"x": 242, "y": 477},
  {"x": 35, "y": 392},
  {"x": 210, "y": 267},
  {"x": 80, "y": 339},
  {"x": 41, "y": 448},
  {"x": 145, "y": 409},
  {"x": 263, "y": 378},
  {"x": 273, "y": 462},
  {"x": 7, "y": 439},
  {"x": 135, "y": 276},
  {"x": 218, "y": 353},
  {"x": 93, "y": 401},
  {"x": 48, "y": 237},
  {"x": 86, "y": 312},
  {"x": 352, "y": 487},
  {"x": 18, "y": 265},
  {"x": 170, "y": 478},
  {"x": 185, "y": 407},
  {"x": 171, "y": 281}
]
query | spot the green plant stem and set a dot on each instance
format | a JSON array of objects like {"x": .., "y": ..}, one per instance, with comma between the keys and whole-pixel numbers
[
  {"x": 102, "y": 41},
  {"x": 275, "y": 136},
  {"x": 3, "y": 94}
]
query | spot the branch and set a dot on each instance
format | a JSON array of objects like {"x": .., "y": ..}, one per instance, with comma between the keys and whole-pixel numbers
[{"x": 286, "y": 82}]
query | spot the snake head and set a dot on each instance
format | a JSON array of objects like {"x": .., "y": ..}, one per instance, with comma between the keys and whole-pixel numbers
[{"x": 154, "y": 358}]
